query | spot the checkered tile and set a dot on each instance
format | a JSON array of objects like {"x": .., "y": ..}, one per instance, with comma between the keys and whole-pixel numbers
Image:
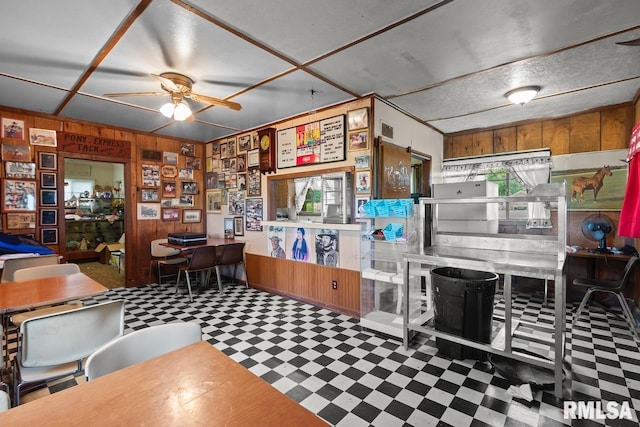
[{"x": 352, "y": 377}]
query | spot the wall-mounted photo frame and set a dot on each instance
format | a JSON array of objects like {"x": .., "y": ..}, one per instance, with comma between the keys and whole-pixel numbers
[
  {"x": 12, "y": 128},
  {"x": 19, "y": 195},
  {"x": 46, "y": 137},
  {"x": 170, "y": 214},
  {"x": 16, "y": 153},
  {"x": 49, "y": 236},
  {"x": 229, "y": 230},
  {"x": 169, "y": 157},
  {"x": 358, "y": 140},
  {"x": 48, "y": 198},
  {"x": 185, "y": 173},
  {"x": 169, "y": 171},
  {"x": 148, "y": 211},
  {"x": 48, "y": 217},
  {"x": 20, "y": 170},
  {"x": 169, "y": 189},
  {"x": 48, "y": 180},
  {"x": 238, "y": 226},
  {"x": 189, "y": 187},
  {"x": 150, "y": 195},
  {"x": 363, "y": 182},
  {"x": 254, "y": 182},
  {"x": 215, "y": 148},
  {"x": 360, "y": 201},
  {"x": 253, "y": 158},
  {"x": 150, "y": 175},
  {"x": 17, "y": 221},
  {"x": 193, "y": 163},
  {"x": 244, "y": 143},
  {"x": 254, "y": 214},
  {"x": 214, "y": 201},
  {"x": 187, "y": 149},
  {"x": 186, "y": 200},
  {"x": 241, "y": 164},
  {"x": 152, "y": 155},
  {"x": 191, "y": 215},
  {"x": 363, "y": 162},
  {"x": 47, "y": 160},
  {"x": 358, "y": 119}
]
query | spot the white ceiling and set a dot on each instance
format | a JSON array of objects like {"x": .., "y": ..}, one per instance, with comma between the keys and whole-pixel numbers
[{"x": 448, "y": 63}]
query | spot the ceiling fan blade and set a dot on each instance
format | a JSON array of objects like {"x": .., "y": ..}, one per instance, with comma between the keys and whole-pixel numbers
[
  {"x": 116, "y": 95},
  {"x": 635, "y": 42},
  {"x": 167, "y": 83},
  {"x": 215, "y": 101}
]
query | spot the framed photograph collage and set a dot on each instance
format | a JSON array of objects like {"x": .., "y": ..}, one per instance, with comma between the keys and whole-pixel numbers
[
  {"x": 358, "y": 130},
  {"x": 29, "y": 181}
]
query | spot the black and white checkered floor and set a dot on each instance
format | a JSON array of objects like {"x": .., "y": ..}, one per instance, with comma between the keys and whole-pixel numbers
[{"x": 351, "y": 377}]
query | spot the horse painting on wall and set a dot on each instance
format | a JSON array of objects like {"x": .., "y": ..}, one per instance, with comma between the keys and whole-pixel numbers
[{"x": 594, "y": 181}]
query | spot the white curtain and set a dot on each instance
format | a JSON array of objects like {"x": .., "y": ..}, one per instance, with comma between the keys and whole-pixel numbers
[{"x": 531, "y": 172}]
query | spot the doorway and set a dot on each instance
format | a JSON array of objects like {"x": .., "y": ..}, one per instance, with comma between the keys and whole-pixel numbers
[{"x": 94, "y": 219}]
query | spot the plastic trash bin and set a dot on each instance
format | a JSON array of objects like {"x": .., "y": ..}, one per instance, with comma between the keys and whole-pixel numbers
[{"x": 463, "y": 301}]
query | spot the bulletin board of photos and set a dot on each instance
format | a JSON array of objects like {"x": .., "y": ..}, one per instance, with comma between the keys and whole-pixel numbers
[
  {"x": 232, "y": 178},
  {"x": 29, "y": 184}
]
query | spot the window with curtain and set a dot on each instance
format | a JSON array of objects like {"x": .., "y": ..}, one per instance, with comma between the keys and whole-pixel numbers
[{"x": 515, "y": 174}]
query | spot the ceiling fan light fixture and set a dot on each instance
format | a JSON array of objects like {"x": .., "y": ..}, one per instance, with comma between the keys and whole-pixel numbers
[
  {"x": 168, "y": 109},
  {"x": 522, "y": 95},
  {"x": 182, "y": 111}
]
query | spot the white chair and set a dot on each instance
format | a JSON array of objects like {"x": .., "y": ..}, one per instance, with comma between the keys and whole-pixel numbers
[
  {"x": 54, "y": 345},
  {"x": 37, "y": 273},
  {"x": 5, "y": 401},
  {"x": 164, "y": 256},
  {"x": 141, "y": 345},
  {"x": 13, "y": 264}
]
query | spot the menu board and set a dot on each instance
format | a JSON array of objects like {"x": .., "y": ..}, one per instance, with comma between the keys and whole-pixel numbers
[{"x": 312, "y": 143}]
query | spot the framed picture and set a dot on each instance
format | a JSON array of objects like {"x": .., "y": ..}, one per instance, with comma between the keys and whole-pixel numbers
[
  {"x": 18, "y": 153},
  {"x": 244, "y": 143},
  {"x": 193, "y": 163},
  {"x": 363, "y": 162},
  {"x": 49, "y": 236},
  {"x": 150, "y": 176},
  {"x": 44, "y": 137},
  {"x": 214, "y": 201},
  {"x": 170, "y": 157},
  {"x": 48, "y": 160},
  {"x": 168, "y": 189},
  {"x": 19, "y": 195},
  {"x": 150, "y": 195},
  {"x": 358, "y": 140},
  {"x": 16, "y": 221},
  {"x": 189, "y": 187},
  {"x": 170, "y": 214},
  {"x": 236, "y": 202},
  {"x": 254, "y": 215},
  {"x": 229, "y": 230},
  {"x": 191, "y": 215},
  {"x": 363, "y": 182},
  {"x": 186, "y": 200},
  {"x": 169, "y": 203},
  {"x": 152, "y": 155},
  {"x": 238, "y": 226},
  {"x": 48, "y": 198},
  {"x": 12, "y": 128},
  {"x": 241, "y": 183},
  {"x": 254, "y": 182},
  {"x": 359, "y": 202},
  {"x": 148, "y": 211},
  {"x": 21, "y": 170},
  {"x": 596, "y": 181},
  {"x": 215, "y": 148},
  {"x": 358, "y": 119},
  {"x": 48, "y": 217},
  {"x": 187, "y": 149},
  {"x": 253, "y": 158},
  {"x": 48, "y": 180},
  {"x": 185, "y": 173},
  {"x": 241, "y": 164},
  {"x": 169, "y": 171}
]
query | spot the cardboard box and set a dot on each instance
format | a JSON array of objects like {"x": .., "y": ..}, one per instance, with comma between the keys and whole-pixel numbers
[{"x": 105, "y": 249}]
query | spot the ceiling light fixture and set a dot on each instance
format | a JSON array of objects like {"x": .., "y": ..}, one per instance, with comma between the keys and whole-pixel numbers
[
  {"x": 522, "y": 95},
  {"x": 176, "y": 110}
]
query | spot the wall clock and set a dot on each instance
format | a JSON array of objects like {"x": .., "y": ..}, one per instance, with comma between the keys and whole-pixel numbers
[{"x": 267, "y": 146}]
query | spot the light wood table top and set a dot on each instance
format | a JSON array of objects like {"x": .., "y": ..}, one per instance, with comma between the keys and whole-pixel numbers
[
  {"x": 197, "y": 385},
  {"x": 16, "y": 296}
]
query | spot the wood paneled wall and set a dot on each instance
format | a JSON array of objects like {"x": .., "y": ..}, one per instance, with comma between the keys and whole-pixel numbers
[{"x": 138, "y": 233}]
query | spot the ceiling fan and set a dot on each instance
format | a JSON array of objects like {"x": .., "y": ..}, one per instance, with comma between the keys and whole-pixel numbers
[
  {"x": 635, "y": 42},
  {"x": 178, "y": 86}
]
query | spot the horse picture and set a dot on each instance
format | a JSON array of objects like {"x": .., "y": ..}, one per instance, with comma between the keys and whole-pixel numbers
[{"x": 580, "y": 184}]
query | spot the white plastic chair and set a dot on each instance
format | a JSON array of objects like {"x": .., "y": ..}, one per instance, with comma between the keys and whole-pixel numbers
[
  {"x": 141, "y": 345},
  {"x": 5, "y": 401},
  {"x": 53, "y": 346},
  {"x": 164, "y": 256},
  {"x": 13, "y": 264}
]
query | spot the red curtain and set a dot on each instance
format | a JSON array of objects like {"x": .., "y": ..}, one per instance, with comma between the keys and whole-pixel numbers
[{"x": 630, "y": 213}]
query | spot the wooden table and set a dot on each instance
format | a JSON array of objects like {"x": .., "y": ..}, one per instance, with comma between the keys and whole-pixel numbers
[
  {"x": 211, "y": 241},
  {"x": 197, "y": 385},
  {"x": 18, "y": 296}
]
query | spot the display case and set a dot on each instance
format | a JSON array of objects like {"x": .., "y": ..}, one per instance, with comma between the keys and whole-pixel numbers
[
  {"x": 386, "y": 235},
  {"x": 83, "y": 236},
  {"x": 532, "y": 254},
  {"x": 337, "y": 196},
  {"x": 94, "y": 207}
]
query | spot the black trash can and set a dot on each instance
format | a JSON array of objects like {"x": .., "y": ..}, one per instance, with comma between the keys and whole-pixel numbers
[{"x": 463, "y": 301}]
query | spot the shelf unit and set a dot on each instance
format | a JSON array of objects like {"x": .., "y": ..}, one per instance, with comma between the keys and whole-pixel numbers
[
  {"x": 93, "y": 207},
  {"x": 538, "y": 255},
  {"x": 94, "y": 232},
  {"x": 382, "y": 273}
]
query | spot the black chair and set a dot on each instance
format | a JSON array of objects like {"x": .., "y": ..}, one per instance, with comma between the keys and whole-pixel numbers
[
  {"x": 615, "y": 287},
  {"x": 232, "y": 254},
  {"x": 202, "y": 261}
]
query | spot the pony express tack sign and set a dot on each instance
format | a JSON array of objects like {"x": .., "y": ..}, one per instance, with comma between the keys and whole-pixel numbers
[{"x": 93, "y": 145}]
